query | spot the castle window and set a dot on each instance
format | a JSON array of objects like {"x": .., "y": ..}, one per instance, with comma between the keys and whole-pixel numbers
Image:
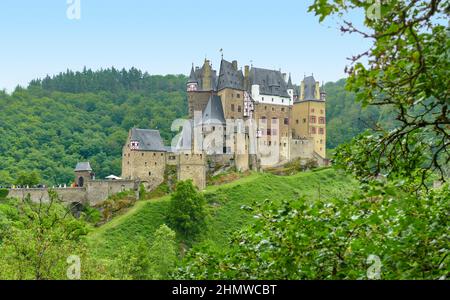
[
  {"x": 263, "y": 119},
  {"x": 154, "y": 154},
  {"x": 272, "y": 99},
  {"x": 274, "y": 120},
  {"x": 239, "y": 108},
  {"x": 312, "y": 110},
  {"x": 282, "y": 109},
  {"x": 149, "y": 173},
  {"x": 312, "y": 119},
  {"x": 238, "y": 95},
  {"x": 262, "y": 99},
  {"x": 232, "y": 107},
  {"x": 145, "y": 163},
  {"x": 321, "y": 131},
  {"x": 213, "y": 128},
  {"x": 162, "y": 154},
  {"x": 274, "y": 131},
  {"x": 155, "y": 163},
  {"x": 142, "y": 154},
  {"x": 296, "y": 121},
  {"x": 321, "y": 111},
  {"x": 273, "y": 108},
  {"x": 313, "y": 130},
  {"x": 321, "y": 120},
  {"x": 304, "y": 120},
  {"x": 286, "y": 121}
]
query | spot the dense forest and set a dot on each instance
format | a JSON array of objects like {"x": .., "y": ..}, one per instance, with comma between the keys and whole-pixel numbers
[{"x": 57, "y": 121}]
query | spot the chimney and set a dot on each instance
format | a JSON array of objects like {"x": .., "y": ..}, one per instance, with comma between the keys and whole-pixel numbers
[
  {"x": 235, "y": 65},
  {"x": 246, "y": 77}
]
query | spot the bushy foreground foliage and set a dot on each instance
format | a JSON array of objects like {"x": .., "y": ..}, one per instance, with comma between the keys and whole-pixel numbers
[{"x": 345, "y": 238}]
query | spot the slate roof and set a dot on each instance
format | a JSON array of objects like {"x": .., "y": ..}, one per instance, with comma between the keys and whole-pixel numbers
[
  {"x": 229, "y": 77},
  {"x": 289, "y": 84},
  {"x": 213, "y": 113},
  {"x": 83, "y": 166},
  {"x": 192, "y": 77},
  {"x": 310, "y": 88},
  {"x": 149, "y": 139},
  {"x": 270, "y": 82}
]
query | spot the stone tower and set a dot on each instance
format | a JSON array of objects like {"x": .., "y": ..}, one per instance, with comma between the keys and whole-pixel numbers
[
  {"x": 309, "y": 115},
  {"x": 83, "y": 173},
  {"x": 201, "y": 85}
]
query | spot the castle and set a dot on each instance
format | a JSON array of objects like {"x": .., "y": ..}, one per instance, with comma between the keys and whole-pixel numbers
[{"x": 246, "y": 119}]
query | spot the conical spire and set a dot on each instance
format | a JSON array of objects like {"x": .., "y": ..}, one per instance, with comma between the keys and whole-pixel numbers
[
  {"x": 289, "y": 85},
  {"x": 192, "y": 78}
]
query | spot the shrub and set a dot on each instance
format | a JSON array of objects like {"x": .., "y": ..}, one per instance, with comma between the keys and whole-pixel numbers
[
  {"x": 3, "y": 194},
  {"x": 186, "y": 210}
]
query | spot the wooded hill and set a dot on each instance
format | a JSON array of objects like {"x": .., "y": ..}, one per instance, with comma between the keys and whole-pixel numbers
[{"x": 57, "y": 121}]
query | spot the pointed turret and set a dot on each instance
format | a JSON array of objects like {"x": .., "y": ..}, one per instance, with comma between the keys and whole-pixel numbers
[
  {"x": 192, "y": 84},
  {"x": 192, "y": 78},
  {"x": 289, "y": 85}
]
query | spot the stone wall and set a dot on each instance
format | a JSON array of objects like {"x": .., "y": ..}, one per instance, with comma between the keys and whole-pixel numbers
[
  {"x": 145, "y": 166},
  {"x": 67, "y": 195},
  {"x": 92, "y": 193},
  {"x": 301, "y": 148},
  {"x": 192, "y": 166},
  {"x": 233, "y": 103},
  {"x": 99, "y": 190}
]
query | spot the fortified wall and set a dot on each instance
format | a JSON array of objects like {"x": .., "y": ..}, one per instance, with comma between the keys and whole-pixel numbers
[{"x": 86, "y": 191}]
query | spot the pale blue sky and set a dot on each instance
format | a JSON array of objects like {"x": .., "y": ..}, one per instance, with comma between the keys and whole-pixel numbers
[{"x": 165, "y": 37}]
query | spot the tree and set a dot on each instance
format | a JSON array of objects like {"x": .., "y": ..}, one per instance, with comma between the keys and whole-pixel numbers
[
  {"x": 407, "y": 71},
  {"x": 133, "y": 262},
  {"x": 186, "y": 213},
  {"x": 28, "y": 179},
  {"x": 163, "y": 252},
  {"x": 39, "y": 238}
]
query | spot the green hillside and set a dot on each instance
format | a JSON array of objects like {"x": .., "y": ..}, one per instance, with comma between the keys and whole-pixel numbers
[
  {"x": 224, "y": 206},
  {"x": 57, "y": 121}
]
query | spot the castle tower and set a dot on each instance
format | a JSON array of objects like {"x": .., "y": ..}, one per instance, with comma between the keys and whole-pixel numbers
[
  {"x": 308, "y": 114},
  {"x": 230, "y": 88},
  {"x": 83, "y": 173},
  {"x": 200, "y": 86}
]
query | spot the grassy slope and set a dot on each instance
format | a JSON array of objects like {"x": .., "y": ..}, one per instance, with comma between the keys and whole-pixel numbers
[{"x": 226, "y": 214}]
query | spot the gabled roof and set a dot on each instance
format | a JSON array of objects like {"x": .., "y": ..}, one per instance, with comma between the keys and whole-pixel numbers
[
  {"x": 270, "y": 82},
  {"x": 213, "y": 113},
  {"x": 83, "y": 166},
  {"x": 149, "y": 139},
  {"x": 230, "y": 77}
]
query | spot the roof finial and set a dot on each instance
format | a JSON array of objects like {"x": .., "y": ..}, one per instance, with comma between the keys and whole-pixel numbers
[{"x": 221, "y": 51}]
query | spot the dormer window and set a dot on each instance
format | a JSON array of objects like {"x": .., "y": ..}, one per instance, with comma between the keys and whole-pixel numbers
[{"x": 134, "y": 145}]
